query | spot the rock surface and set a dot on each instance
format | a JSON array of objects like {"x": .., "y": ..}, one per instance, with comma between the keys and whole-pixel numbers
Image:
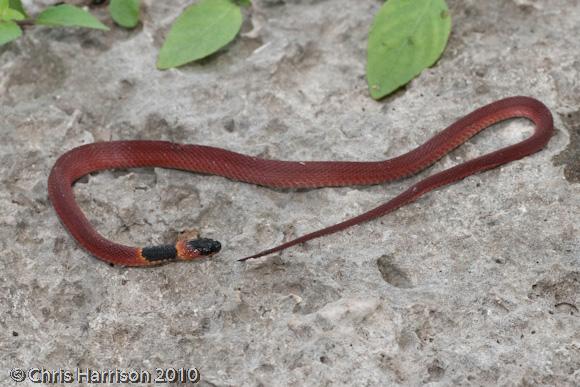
[{"x": 477, "y": 283}]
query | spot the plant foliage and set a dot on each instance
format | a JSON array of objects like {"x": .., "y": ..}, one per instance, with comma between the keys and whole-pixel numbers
[
  {"x": 201, "y": 30},
  {"x": 66, "y": 15},
  {"x": 406, "y": 37},
  {"x": 125, "y": 12}
]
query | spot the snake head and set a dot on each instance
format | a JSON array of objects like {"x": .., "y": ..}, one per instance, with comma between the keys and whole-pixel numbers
[{"x": 195, "y": 248}]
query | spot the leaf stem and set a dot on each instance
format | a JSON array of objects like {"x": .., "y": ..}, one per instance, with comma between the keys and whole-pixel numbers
[{"x": 24, "y": 22}]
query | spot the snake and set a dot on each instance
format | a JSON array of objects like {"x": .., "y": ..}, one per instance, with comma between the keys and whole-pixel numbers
[{"x": 281, "y": 174}]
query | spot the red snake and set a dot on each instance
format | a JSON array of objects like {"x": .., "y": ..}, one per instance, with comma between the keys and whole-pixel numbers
[{"x": 94, "y": 157}]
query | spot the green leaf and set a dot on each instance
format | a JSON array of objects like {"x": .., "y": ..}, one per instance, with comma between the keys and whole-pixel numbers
[
  {"x": 125, "y": 12},
  {"x": 9, "y": 31},
  {"x": 17, "y": 6},
  {"x": 8, "y": 11},
  {"x": 406, "y": 37},
  {"x": 199, "y": 31},
  {"x": 66, "y": 15},
  {"x": 10, "y": 14},
  {"x": 245, "y": 3}
]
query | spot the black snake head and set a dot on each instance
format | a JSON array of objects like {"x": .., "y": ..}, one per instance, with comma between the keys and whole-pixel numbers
[{"x": 204, "y": 246}]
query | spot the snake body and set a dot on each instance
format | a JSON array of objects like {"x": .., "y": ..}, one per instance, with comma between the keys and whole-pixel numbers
[{"x": 90, "y": 158}]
